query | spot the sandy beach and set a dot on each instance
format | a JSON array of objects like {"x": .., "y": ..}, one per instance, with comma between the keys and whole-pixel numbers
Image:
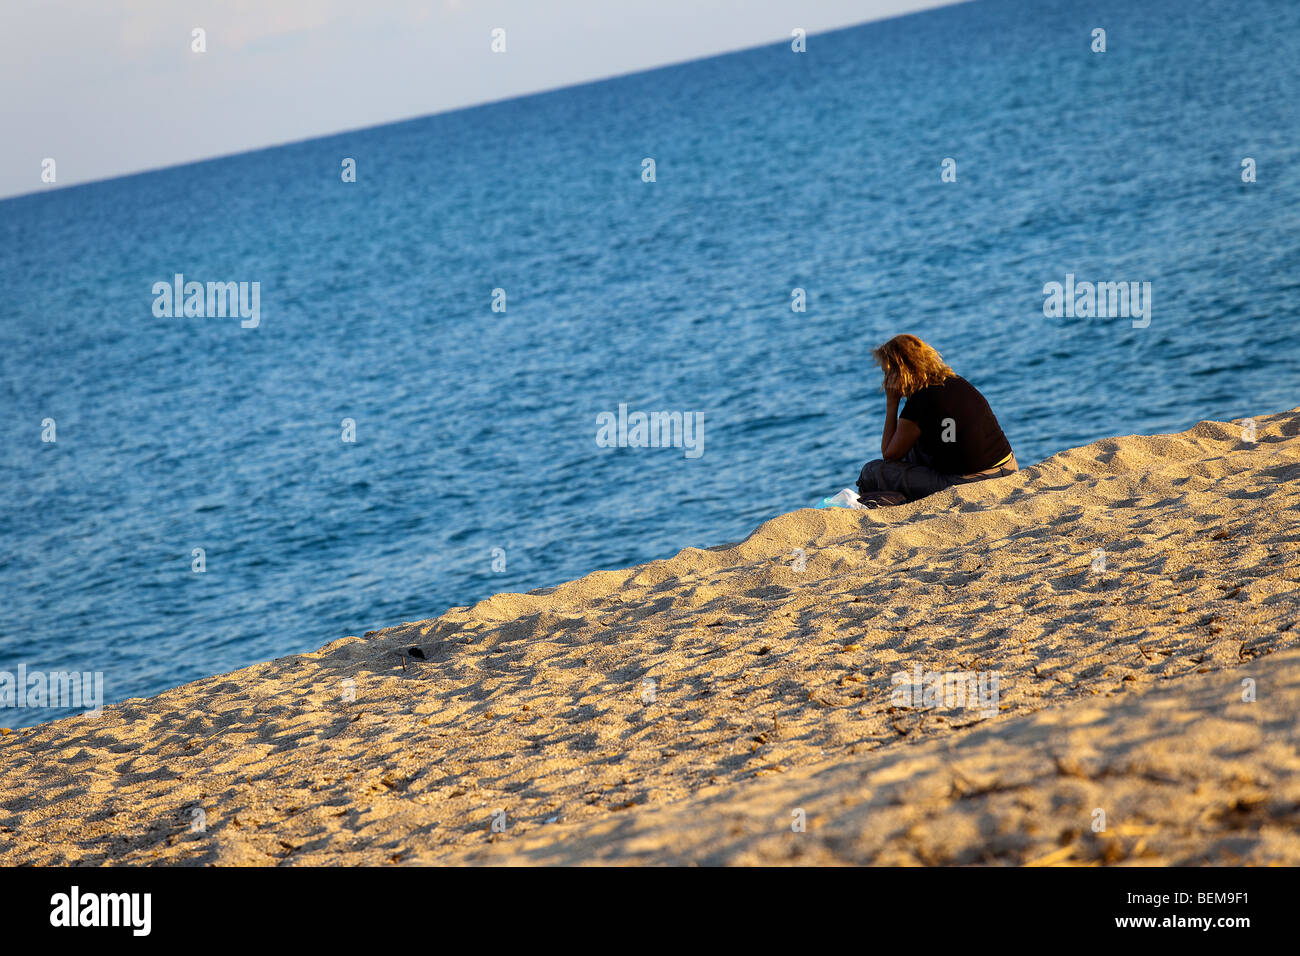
[{"x": 1137, "y": 600}]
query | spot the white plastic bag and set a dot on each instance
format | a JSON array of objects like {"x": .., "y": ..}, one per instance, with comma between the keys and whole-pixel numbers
[{"x": 848, "y": 498}]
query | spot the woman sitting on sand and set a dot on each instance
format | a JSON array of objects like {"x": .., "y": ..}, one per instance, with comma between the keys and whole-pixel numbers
[{"x": 946, "y": 435}]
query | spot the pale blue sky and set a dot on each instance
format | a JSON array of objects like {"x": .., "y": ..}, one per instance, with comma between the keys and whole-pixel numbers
[{"x": 108, "y": 87}]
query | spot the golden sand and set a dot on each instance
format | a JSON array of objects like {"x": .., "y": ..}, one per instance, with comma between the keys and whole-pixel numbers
[{"x": 724, "y": 706}]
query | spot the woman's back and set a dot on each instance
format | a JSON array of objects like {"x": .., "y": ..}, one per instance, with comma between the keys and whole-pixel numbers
[{"x": 960, "y": 435}]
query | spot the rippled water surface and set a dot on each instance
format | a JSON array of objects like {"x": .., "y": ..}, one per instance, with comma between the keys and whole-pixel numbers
[{"x": 475, "y": 430}]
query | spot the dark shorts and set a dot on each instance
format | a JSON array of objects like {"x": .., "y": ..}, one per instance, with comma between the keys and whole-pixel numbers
[{"x": 914, "y": 480}]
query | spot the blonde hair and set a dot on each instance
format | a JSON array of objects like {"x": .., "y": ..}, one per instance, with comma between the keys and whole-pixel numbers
[{"x": 911, "y": 364}]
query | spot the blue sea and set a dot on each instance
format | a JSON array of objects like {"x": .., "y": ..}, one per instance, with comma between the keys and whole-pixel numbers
[{"x": 475, "y": 467}]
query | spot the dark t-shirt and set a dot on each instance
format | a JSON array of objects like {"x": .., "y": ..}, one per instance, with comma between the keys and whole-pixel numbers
[{"x": 959, "y": 433}]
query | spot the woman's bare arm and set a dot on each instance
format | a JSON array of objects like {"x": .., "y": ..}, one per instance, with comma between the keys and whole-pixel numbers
[{"x": 900, "y": 434}]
